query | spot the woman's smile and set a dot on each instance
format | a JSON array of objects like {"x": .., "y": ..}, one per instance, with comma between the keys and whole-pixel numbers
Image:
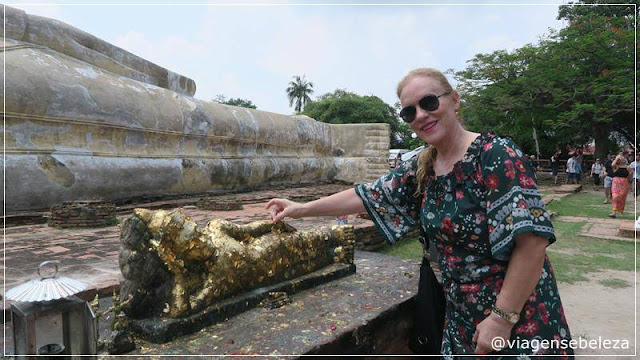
[{"x": 429, "y": 127}]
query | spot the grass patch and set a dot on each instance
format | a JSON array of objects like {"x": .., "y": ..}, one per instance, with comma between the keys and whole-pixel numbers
[
  {"x": 409, "y": 248},
  {"x": 572, "y": 255},
  {"x": 591, "y": 255},
  {"x": 588, "y": 204},
  {"x": 545, "y": 192},
  {"x": 615, "y": 283}
]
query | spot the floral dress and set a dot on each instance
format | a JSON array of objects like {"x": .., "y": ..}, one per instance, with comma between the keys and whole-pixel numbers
[{"x": 473, "y": 215}]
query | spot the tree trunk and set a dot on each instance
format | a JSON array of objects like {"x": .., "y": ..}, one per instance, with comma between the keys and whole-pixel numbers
[
  {"x": 535, "y": 137},
  {"x": 601, "y": 133}
]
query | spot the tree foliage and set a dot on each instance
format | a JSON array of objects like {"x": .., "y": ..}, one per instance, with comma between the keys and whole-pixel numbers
[
  {"x": 298, "y": 92},
  {"x": 235, "y": 102},
  {"x": 576, "y": 85},
  {"x": 343, "y": 107}
]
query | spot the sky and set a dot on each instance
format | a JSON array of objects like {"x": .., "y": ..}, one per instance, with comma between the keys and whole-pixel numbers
[{"x": 252, "y": 49}]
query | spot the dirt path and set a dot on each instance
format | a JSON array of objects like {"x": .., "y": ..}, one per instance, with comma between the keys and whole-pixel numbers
[{"x": 595, "y": 311}]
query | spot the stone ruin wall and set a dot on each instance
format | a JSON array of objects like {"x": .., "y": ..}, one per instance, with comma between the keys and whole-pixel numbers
[{"x": 88, "y": 120}]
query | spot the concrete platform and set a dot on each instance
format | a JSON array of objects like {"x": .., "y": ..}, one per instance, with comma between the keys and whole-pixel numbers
[
  {"x": 628, "y": 229},
  {"x": 598, "y": 228},
  {"x": 369, "y": 312}
]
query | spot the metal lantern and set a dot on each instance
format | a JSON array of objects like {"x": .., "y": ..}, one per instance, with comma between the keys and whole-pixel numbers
[{"x": 49, "y": 320}]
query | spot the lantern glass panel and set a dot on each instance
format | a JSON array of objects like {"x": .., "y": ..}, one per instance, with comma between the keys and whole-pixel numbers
[{"x": 49, "y": 329}]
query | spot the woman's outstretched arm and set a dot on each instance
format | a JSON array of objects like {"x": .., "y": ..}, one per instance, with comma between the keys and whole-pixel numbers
[{"x": 342, "y": 203}]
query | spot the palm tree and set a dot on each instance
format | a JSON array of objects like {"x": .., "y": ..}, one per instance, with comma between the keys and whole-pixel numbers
[{"x": 299, "y": 90}]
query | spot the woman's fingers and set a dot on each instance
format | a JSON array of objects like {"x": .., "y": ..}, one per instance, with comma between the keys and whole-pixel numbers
[
  {"x": 273, "y": 202},
  {"x": 279, "y": 208}
]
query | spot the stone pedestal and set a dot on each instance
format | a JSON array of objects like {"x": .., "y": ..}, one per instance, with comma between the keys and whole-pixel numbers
[{"x": 369, "y": 312}]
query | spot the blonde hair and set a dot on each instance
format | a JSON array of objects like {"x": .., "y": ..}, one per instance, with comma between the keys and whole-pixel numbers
[{"x": 427, "y": 158}]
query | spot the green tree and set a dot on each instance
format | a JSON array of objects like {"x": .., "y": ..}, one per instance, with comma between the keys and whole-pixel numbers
[
  {"x": 407, "y": 138},
  {"x": 599, "y": 43},
  {"x": 343, "y": 107},
  {"x": 573, "y": 87},
  {"x": 235, "y": 102},
  {"x": 501, "y": 93},
  {"x": 298, "y": 92},
  {"x": 573, "y": 11}
]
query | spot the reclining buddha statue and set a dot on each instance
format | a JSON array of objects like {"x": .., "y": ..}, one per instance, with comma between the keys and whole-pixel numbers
[{"x": 174, "y": 267}]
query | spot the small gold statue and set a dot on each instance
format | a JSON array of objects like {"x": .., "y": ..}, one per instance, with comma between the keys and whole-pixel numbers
[{"x": 172, "y": 266}]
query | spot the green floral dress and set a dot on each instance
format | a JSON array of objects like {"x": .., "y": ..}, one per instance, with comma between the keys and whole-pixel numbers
[{"x": 473, "y": 215}]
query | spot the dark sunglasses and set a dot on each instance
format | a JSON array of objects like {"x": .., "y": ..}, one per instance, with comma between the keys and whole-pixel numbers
[{"x": 429, "y": 102}]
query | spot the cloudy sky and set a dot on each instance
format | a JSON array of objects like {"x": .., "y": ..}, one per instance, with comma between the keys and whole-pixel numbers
[{"x": 251, "y": 49}]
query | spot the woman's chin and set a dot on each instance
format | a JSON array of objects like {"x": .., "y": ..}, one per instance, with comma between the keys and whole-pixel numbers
[{"x": 432, "y": 137}]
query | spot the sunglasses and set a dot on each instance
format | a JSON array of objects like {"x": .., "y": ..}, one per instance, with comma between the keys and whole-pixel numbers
[{"x": 429, "y": 102}]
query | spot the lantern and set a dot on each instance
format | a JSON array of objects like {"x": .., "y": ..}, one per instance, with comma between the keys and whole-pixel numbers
[{"x": 49, "y": 320}]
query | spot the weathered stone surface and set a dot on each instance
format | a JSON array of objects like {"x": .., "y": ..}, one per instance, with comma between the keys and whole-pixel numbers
[
  {"x": 164, "y": 329},
  {"x": 85, "y": 47},
  {"x": 172, "y": 266},
  {"x": 360, "y": 149},
  {"x": 120, "y": 342},
  {"x": 217, "y": 204},
  {"x": 365, "y": 313},
  {"x": 76, "y": 128}
]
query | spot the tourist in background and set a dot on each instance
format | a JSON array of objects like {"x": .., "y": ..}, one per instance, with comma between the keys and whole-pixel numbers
[
  {"x": 629, "y": 157},
  {"x": 608, "y": 179},
  {"x": 475, "y": 196},
  {"x": 596, "y": 170},
  {"x": 635, "y": 167},
  {"x": 534, "y": 163},
  {"x": 620, "y": 184},
  {"x": 571, "y": 169},
  {"x": 577, "y": 168}
]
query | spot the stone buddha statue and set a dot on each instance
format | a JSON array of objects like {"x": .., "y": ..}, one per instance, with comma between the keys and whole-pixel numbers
[{"x": 174, "y": 267}]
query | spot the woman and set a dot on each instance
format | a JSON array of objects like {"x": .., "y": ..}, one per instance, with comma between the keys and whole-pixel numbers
[
  {"x": 608, "y": 179},
  {"x": 620, "y": 184},
  {"x": 474, "y": 196}
]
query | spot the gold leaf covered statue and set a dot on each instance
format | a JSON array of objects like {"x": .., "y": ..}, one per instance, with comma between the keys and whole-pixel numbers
[{"x": 171, "y": 265}]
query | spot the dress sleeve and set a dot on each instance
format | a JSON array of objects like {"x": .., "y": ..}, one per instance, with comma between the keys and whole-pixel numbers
[
  {"x": 390, "y": 201},
  {"x": 514, "y": 205}
]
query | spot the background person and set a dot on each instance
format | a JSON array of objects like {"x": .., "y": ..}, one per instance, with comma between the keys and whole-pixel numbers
[
  {"x": 475, "y": 197},
  {"x": 571, "y": 169},
  {"x": 534, "y": 163},
  {"x": 620, "y": 184},
  {"x": 608, "y": 179},
  {"x": 577, "y": 167},
  {"x": 596, "y": 170},
  {"x": 635, "y": 168}
]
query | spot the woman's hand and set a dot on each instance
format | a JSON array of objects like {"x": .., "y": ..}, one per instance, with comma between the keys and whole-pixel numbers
[
  {"x": 281, "y": 208},
  {"x": 523, "y": 273},
  {"x": 492, "y": 327},
  {"x": 342, "y": 203}
]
